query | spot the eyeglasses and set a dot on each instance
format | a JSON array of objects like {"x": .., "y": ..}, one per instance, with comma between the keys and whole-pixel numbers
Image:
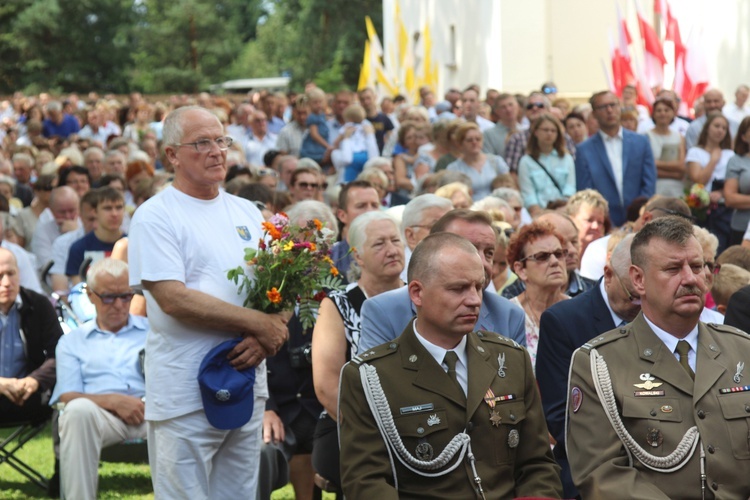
[
  {"x": 633, "y": 300},
  {"x": 110, "y": 298},
  {"x": 532, "y": 105},
  {"x": 713, "y": 267},
  {"x": 267, "y": 171},
  {"x": 607, "y": 105},
  {"x": 204, "y": 145},
  {"x": 549, "y": 90},
  {"x": 545, "y": 256},
  {"x": 308, "y": 185}
]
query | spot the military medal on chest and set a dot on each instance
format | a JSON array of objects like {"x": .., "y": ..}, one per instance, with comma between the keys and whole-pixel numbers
[{"x": 495, "y": 417}]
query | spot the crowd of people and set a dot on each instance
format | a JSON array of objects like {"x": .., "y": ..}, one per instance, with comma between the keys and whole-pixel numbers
[{"x": 513, "y": 266}]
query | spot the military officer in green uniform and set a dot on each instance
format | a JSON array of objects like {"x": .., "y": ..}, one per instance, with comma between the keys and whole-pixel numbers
[
  {"x": 442, "y": 411},
  {"x": 660, "y": 409}
]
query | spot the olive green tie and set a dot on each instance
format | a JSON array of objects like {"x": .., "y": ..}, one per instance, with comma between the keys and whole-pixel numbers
[
  {"x": 683, "y": 348},
  {"x": 450, "y": 359}
]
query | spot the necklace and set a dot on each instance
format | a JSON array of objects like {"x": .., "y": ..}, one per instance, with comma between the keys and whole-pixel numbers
[{"x": 532, "y": 316}]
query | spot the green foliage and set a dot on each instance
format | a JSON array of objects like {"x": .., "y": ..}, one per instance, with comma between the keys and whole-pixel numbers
[
  {"x": 71, "y": 45},
  {"x": 116, "y": 480},
  {"x": 320, "y": 40},
  {"x": 184, "y": 45},
  {"x": 160, "y": 46}
]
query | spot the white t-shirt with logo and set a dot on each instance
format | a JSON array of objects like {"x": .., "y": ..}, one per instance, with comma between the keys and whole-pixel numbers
[{"x": 174, "y": 236}]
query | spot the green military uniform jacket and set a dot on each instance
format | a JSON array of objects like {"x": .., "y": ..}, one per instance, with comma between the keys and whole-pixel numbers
[
  {"x": 513, "y": 459},
  {"x": 658, "y": 402}
]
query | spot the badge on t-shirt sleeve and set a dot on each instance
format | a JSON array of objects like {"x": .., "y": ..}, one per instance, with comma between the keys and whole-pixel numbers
[{"x": 244, "y": 233}]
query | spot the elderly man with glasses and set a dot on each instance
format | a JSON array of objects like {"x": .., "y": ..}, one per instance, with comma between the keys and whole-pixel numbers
[
  {"x": 100, "y": 380},
  {"x": 181, "y": 243}
]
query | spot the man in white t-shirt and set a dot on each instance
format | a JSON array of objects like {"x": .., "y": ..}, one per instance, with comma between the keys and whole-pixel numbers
[{"x": 182, "y": 242}]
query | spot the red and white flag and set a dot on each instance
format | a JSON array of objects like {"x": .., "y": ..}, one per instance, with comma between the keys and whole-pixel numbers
[
  {"x": 653, "y": 54},
  {"x": 622, "y": 68}
]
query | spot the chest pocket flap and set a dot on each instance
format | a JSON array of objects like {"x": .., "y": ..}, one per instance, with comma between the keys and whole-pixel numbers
[
  {"x": 653, "y": 408},
  {"x": 419, "y": 425}
]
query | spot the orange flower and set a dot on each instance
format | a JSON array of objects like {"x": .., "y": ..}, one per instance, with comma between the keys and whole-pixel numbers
[
  {"x": 327, "y": 260},
  {"x": 318, "y": 224},
  {"x": 334, "y": 271},
  {"x": 312, "y": 247},
  {"x": 271, "y": 229},
  {"x": 273, "y": 295}
]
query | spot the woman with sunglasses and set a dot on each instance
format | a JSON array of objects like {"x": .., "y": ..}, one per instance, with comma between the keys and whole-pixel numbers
[{"x": 537, "y": 256}]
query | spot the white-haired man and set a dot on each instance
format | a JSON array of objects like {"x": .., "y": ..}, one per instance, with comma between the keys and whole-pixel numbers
[
  {"x": 100, "y": 380},
  {"x": 180, "y": 262}
]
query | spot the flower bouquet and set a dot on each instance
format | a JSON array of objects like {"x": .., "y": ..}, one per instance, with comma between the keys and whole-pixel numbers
[
  {"x": 291, "y": 267},
  {"x": 698, "y": 199}
]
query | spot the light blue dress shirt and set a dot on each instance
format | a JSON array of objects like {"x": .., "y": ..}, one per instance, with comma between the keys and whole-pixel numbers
[
  {"x": 93, "y": 361},
  {"x": 12, "y": 344}
]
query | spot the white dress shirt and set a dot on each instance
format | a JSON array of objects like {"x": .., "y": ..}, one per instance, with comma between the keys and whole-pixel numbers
[
  {"x": 671, "y": 341},
  {"x": 613, "y": 146},
  {"x": 437, "y": 352}
]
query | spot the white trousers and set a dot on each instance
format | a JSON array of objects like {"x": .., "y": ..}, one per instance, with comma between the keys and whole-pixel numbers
[
  {"x": 191, "y": 459},
  {"x": 86, "y": 428}
]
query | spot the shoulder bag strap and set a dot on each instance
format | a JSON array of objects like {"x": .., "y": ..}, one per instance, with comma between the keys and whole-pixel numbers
[{"x": 548, "y": 174}]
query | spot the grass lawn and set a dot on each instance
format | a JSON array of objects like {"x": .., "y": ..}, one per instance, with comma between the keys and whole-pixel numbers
[{"x": 116, "y": 481}]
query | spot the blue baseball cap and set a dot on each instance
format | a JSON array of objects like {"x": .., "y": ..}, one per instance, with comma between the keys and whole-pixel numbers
[{"x": 227, "y": 393}]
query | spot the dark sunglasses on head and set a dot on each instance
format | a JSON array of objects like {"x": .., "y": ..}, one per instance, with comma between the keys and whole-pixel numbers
[
  {"x": 532, "y": 105},
  {"x": 545, "y": 256}
]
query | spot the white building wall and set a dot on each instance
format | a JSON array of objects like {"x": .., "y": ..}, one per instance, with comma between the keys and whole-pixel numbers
[{"x": 516, "y": 45}]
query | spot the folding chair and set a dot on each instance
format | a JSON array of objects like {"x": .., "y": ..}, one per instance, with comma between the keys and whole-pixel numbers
[{"x": 9, "y": 447}]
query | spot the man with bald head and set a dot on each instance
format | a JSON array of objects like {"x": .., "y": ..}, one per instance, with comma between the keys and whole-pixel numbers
[
  {"x": 27, "y": 346},
  {"x": 713, "y": 102},
  {"x": 439, "y": 374},
  {"x": 385, "y": 315},
  {"x": 180, "y": 263},
  {"x": 63, "y": 204}
]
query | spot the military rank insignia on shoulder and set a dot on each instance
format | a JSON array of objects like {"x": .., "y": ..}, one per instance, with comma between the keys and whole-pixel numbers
[
  {"x": 728, "y": 329},
  {"x": 375, "y": 353},
  {"x": 606, "y": 338},
  {"x": 496, "y": 338}
]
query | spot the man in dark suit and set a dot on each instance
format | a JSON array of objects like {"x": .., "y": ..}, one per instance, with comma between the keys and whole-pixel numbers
[
  {"x": 616, "y": 162},
  {"x": 566, "y": 326},
  {"x": 386, "y": 315},
  {"x": 441, "y": 382},
  {"x": 29, "y": 336},
  {"x": 738, "y": 312}
]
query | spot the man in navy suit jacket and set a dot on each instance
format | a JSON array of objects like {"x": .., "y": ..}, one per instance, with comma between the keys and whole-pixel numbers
[
  {"x": 616, "y": 162},
  {"x": 385, "y": 316},
  {"x": 569, "y": 324}
]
